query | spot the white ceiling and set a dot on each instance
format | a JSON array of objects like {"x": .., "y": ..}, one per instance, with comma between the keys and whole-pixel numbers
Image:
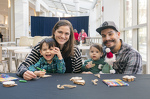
[{"x": 67, "y": 6}]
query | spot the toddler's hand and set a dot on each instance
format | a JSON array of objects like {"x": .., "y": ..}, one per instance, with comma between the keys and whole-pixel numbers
[
  {"x": 57, "y": 51},
  {"x": 88, "y": 66}
]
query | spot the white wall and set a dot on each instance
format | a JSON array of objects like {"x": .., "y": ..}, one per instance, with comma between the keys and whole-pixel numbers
[
  {"x": 111, "y": 11},
  {"x": 1, "y": 19},
  {"x": 21, "y": 18},
  {"x": 92, "y": 24}
]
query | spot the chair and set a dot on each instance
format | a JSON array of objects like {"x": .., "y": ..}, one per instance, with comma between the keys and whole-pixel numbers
[
  {"x": 21, "y": 55},
  {"x": 24, "y": 41},
  {"x": 3, "y": 61},
  {"x": 36, "y": 40}
]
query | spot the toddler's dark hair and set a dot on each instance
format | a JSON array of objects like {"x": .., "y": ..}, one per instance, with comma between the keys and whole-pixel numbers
[
  {"x": 98, "y": 46},
  {"x": 49, "y": 41}
]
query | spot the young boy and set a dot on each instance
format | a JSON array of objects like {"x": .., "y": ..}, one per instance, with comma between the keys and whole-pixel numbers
[{"x": 51, "y": 62}]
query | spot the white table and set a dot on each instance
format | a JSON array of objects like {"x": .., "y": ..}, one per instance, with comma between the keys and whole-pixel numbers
[
  {"x": 83, "y": 47},
  {"x": 24, "y": 51},
  {"x": 7, "y": 43},
  {"x": 87, "y": 48},
  {"x": 19, "y": 55},
  {"x": 11, "y": 49}
]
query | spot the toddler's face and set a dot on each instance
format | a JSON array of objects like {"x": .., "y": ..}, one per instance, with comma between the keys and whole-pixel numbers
[
  {"x": 95, "y": 54},
  {"x": 48, "y": 53}
]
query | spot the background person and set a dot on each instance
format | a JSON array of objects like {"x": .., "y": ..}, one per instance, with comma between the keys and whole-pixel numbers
[
  {"x": 82, "y": 36},
  {"x": 128, "y": 60},
  {"x": 1, "y": 37},
  {"x": 76, "y": 36},
  {"x": 63, "y": 35}
]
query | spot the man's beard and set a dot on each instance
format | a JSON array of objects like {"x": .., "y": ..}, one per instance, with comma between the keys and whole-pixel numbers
[{"x": 111, "y": 48}]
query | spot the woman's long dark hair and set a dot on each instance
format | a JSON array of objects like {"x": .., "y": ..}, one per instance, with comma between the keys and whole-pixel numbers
[{"x": 69, "y": 45}]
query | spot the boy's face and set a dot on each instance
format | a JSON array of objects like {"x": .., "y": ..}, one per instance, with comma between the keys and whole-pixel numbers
[
  {"x": 95, "y": 54},
  {"x": 48, "y": 53}
]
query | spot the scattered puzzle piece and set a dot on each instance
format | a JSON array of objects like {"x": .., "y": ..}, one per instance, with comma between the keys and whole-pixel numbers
[
  {"x": 46, "y": 76},
  {"x": 97, "y": 75},
  {"x": 128, "y": 78},
  {"x": 95, "y": 81},
  {"x": 90, "y": 63},
  {"x": 63, "y": 86},
  {"x": 75, "y": 78},
  {"x": 9, "y": 84},
  {"x": 79, "y": 82}
]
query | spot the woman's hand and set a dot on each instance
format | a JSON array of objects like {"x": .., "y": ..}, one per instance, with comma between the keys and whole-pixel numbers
[
  {"x": 28, "y": 75},
  {"x": 57, "y": 51}
]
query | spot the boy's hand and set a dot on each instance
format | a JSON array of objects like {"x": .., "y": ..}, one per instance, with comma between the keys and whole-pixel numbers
[
  {"x": 40, "y": 73},
  {"x": 57, "y": 51}
]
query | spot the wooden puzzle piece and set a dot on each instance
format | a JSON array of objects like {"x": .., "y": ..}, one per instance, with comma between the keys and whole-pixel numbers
[
  {"x": 95, "y": 81},
  {"x": 90, "y": 63},
  {"x": 79, "y": 82},
  {"x": 75, "y": 78},
  {"x": 97, "y": 75},
  {"x": 63, "y": 86}
]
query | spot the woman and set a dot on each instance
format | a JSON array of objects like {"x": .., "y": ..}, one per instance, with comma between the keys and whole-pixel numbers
[
  {"x": 63, "y": 35},
  {"x": 82, "y": 36}
]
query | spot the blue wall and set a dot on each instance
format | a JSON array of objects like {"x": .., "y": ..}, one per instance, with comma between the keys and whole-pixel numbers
[{"x": 42, "y": 26}]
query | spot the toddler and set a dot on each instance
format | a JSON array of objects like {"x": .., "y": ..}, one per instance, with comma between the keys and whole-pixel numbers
[{"x": 90, "y": 66}]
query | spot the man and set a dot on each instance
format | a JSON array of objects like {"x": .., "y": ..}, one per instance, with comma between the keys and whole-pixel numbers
[{"x": 128, "y": 60}]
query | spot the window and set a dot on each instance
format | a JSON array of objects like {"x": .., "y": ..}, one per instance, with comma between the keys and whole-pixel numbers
[
  {"x": 142, "y": 11},
  {"x": 142, "y": 45},
  {"x": 128, "y": 13},
  {"x": 128, "y": 37}
]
